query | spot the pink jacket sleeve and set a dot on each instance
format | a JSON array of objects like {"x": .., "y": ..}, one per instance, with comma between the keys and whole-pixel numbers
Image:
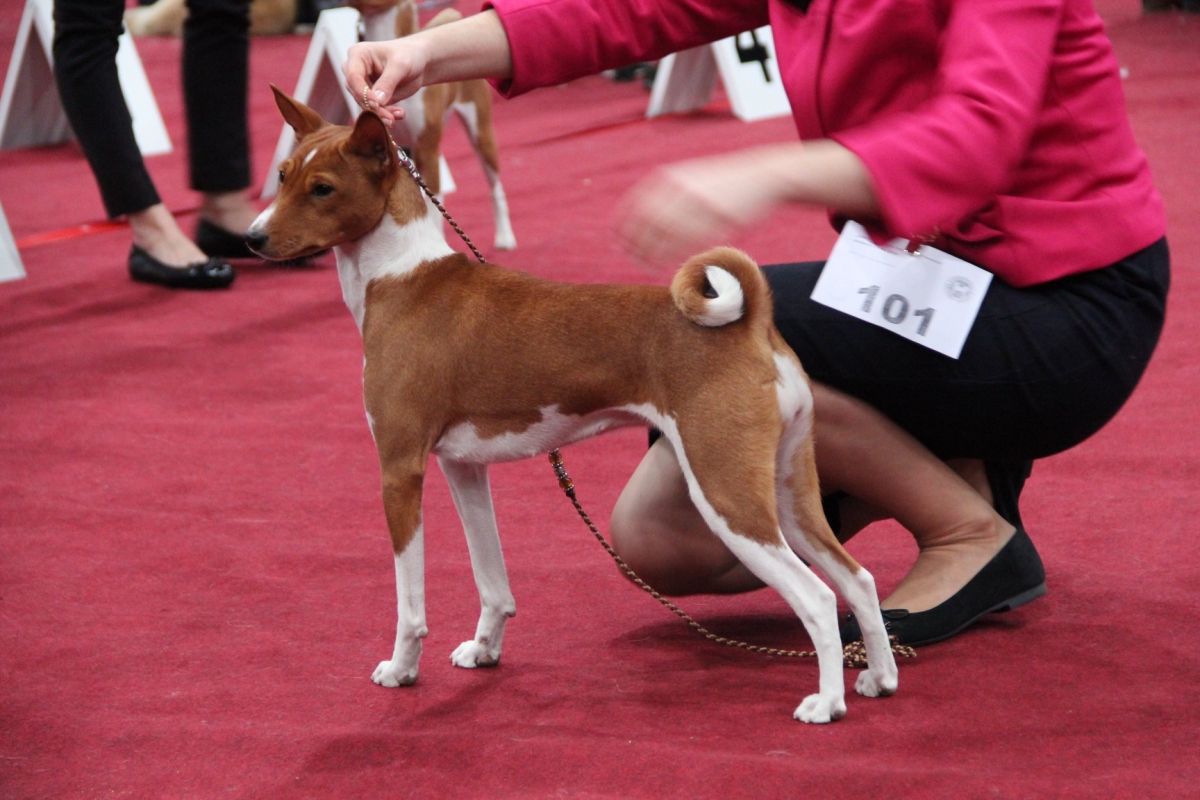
[
  {"x": 951, "y": 156},
  {"x": 554, "y": 41}
]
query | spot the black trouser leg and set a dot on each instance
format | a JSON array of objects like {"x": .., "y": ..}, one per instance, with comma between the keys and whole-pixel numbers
[
  {"x": 86, "y": 34},
  {"x": 216, "y": 65}
]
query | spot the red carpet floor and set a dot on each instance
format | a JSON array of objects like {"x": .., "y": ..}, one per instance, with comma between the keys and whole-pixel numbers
[{"x": 196, "y": 581}]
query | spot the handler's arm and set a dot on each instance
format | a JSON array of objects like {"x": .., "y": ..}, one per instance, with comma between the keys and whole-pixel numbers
[
  {"x": 690, "y": 205},
  {"x": 475, "y": 47}
]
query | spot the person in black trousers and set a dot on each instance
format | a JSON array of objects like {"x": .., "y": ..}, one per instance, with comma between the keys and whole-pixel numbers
[{"x": 216, "y": 50}]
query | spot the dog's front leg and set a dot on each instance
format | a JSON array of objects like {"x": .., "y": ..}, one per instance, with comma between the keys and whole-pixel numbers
[
  {"x": 473, "y": 499},
  {"x": 402, "y": 504}
]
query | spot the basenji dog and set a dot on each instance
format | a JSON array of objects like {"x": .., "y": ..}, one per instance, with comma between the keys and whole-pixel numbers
[
  {"x": 478, "y": 364},
  {"x": 425, "y": 113}
]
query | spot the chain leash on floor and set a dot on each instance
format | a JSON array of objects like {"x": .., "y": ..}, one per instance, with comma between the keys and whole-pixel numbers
[{"x": 854, "y": 655}]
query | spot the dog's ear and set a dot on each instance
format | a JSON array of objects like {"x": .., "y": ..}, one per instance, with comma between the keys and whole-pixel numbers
[
  {"x": 302, "y": 118},
  {"x": 370, "y": 139}
]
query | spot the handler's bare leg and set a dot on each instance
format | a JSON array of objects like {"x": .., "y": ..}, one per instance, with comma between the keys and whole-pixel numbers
[{"x": 859, "y": 451}]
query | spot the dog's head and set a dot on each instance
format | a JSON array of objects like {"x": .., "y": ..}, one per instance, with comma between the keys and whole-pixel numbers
[{"x": 336, "y": 186}]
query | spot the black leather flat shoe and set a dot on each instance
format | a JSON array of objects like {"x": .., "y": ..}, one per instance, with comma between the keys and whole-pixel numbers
[
  {"x": 1012, "y": 578},
  {"x": 217, "y": 242},
  {"x": 211, "y": 274},
  {"x": 220, "y": 243}
]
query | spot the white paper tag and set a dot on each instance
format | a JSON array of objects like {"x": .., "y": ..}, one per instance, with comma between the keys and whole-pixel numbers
[{"x": 931, "y": 297}]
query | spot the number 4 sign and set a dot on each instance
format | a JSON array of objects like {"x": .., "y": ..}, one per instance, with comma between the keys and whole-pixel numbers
[
  {"x": 746, "y": 66},
  {"x": 929, "y": 297}
]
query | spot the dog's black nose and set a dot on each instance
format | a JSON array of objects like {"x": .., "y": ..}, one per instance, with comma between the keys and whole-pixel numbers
[{"x": 256, "y": 240}]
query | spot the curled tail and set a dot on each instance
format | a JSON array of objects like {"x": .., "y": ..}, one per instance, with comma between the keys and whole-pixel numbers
[{"x": 721, "y": 286}]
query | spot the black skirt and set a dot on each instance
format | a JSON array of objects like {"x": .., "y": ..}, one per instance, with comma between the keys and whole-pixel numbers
[{"x": 1043, "y": 368}]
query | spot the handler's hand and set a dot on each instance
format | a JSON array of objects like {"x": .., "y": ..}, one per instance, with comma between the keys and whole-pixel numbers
[
  {"x": 390, "y": 71},
  {"x": 686, "y": 207}
]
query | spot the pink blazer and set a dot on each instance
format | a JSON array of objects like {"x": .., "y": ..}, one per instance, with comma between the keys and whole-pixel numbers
[{"x": 997, "y": 126}]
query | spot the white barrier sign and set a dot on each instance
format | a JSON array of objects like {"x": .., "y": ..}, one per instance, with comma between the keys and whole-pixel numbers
[
  {"x": 748, "y": 70},
  {"x": 11, "y": 268},
  {"x": 31, "y": 111}
]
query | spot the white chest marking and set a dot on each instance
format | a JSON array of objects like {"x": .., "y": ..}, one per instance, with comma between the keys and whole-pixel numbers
[{"x": 390, "y": 250}]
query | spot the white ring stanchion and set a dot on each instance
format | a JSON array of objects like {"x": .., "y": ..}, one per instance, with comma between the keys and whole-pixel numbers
[
  {"x": 11, "y": 268},
  {"x": 746, "y": 66},
  {"x": 31, "y": 112}
]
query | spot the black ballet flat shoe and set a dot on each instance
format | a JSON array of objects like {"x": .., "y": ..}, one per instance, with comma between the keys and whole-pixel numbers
[
  {"x": 1014, "y": 577},
  {"x": 217, "y": 242},
  {"x": 211, "y": 274}
]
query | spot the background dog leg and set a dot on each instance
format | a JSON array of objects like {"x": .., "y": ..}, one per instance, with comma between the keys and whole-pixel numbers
[
  {"x": 427, "y": 157},
  {"x": 475, "y": 112},
  {"x": 473, "y": 498}
]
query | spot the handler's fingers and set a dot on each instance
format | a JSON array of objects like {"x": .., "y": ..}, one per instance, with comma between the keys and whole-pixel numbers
[
  {"x": 373, "y": 78},
  {"x": 358, "y": 68}
]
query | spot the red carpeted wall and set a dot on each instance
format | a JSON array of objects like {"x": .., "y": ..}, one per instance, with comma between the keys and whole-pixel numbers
[{"x": 196, "y": 581}]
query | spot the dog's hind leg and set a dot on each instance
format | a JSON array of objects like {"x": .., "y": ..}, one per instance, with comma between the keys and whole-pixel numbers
[
  {"x": 473, "y": 499},
  {"x": 736, "y": 498},
  {"x": 402, "y": 485},
  {"x": 803, "y": 523}
]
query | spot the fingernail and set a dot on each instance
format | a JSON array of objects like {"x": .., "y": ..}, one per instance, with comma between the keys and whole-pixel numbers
[{"x": 379, "y": 97}]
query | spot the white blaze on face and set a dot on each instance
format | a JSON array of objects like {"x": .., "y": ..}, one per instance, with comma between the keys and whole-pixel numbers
[{"x": 262, "y": 219}]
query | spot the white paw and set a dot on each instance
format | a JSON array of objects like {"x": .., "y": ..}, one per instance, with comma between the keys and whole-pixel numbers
[
  {"x": 505, "y": 240},
  {"x": 870, "y": 684},
  {"x": 818, "y": 709},
  {"x": 391, "y": 675},
  {"x": 474, "y": 654}
]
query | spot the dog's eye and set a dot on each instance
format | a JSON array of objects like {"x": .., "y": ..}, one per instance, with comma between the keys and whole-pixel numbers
[
  {"x": 322, "y": 190},
  {"x": 281, "y": 177}
]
